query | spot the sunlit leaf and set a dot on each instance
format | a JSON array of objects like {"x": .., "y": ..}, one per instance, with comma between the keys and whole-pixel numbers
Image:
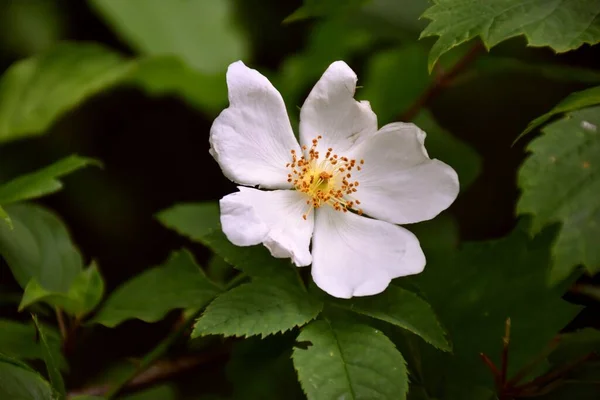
[
  {"x": 349, "y": 361},
  {"x": 560, "y": 182},
  {"x": 149, "y": 296},
  {"x": 261, "y": 307},
  {"x": 562, "y": 25}
]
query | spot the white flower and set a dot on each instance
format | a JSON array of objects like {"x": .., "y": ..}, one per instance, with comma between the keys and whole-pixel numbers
[{"x": 343, "y": 169}]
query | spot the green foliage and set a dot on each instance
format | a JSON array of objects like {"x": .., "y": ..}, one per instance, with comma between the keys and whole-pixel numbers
[
  {"x": 39, "y": 247},
  {"x": 179, "y": 283},
  {"x": 41, "y": 182},
  {"x": 401, "y": 308},
  {"x": 560, "y": 183},
  {"x": 562, "y": 25},
  {"x": 35, "y": 92},
  {"x": 350, "y": 361},
  {"x": 475, "y": 289},
  {"x": 19, "y": 382},
  {"x": 83, "y": 296},
  {"x": 573, "y": 102},
  {"x": 18, "y": 340},
  {"x": 51, "y": 362},
  {"x": 262, "y": 369},
  {"x": 194, "y": 220},
  {"x": 261, "y": 307},
  {"x": 155, "y": 27},
  {"x": 319, "y": 8}
]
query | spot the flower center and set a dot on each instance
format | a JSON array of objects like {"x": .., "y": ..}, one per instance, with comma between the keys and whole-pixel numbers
[{"x": 325, "y": 180}]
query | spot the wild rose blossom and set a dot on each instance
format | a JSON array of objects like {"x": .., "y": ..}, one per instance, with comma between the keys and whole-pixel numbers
[{"x": 345, "y": 185}]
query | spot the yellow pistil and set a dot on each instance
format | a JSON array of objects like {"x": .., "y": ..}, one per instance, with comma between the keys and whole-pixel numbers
[{"x": 325, "y": 180}]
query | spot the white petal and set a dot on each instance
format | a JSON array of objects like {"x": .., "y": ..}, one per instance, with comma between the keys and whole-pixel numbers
[
  {"x": 330, "y": 111},
  {"x": 398, "y": 182},
  {"x": 273, "y": 218},
  {"x": 251, "y": 140},
  {"x": 358, "y": 256}
]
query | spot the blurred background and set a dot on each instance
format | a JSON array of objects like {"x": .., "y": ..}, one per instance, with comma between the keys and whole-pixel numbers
[{"x": 151, "y": 131}]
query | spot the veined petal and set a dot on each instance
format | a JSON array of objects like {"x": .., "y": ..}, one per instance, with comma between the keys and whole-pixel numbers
[
  {"x": 251, "y": 140},
  {"x": 358, "y": 256},
  {"x": 330, "y": 111},
  {"x": 399, "y": 183},
  {"x": 273, "y": 218}
]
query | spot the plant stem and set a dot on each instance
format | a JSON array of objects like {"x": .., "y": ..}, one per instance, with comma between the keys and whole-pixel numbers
[{"x": 60, "y": 318}]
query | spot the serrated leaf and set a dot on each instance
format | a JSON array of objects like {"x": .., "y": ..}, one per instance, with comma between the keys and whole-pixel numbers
[
  {"x": 39, "y": 247},
  {"x": 156, "y": 27},
  {"x": 320, "y": 8},
  {"x": 36, "y": 91},
  {"x": 179, "y": 283},
  {"x": 401, "y": 308},
  {"x": 18, "y": 381},
  {"x": 573, "y": 102},
  {"x": 349, "y": 361},
  {"x": 43, "y": 181},
  {"x": 51, "y": 362},
  {"x": 200, "y": 222},
  {"x": 18, "y": 340},
  {"x": 83, "y": 295},
  {"x": 475, "y": 288},
  {"x": 560, "y": 182},
  {"x": 261, "y": 307},
  {"x": 559, "y": 24}
]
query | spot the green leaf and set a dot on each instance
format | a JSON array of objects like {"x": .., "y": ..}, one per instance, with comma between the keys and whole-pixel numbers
[
  {"x": 19, "y": 382},
  {"x": 200, "y": 222},
  {"x": 562, "y": 25},
  {"x": 179, "y": 283},
  {"x": 19, "y": 340},
  {"x": 349, "y": 361},
  {"x": 574, "y": 345},
  {"x": 41, "y": 182},
  {"x": 390, "y": 92},
  {"x": 35, "y": 92},
  {"x": 401, "y": 308},
  {"x": 51, "y": 362},
  {"x": 261, "y": 307},
  {"x": 320, "y": 8},
  {"x": 560, "y": 182},
  {"x": 262, "y": 369},
  {"x": 442, "y": 145},
  {"x": 475, "y": 289},
  {"x": 83, "y": 295},
  {"x": 573, "y": 102},
  {"x": 39, "y": 247},
  {"x": 181, "y": 28},
  {"x": 4, "y": 216},
  {"x": 159, "y": 392}
]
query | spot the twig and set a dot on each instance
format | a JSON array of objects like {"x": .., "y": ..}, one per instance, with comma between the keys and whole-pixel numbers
[
  {"x": 60, "y": 318},
  {"x": 441, "y": 80},
  {"x": 505, "y": 343}
]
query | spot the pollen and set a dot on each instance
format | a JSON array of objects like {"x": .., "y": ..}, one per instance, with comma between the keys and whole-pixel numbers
[{"x": 324, "y": 180}]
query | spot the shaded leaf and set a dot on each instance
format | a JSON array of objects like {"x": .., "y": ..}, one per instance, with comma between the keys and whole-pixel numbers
[
  {"x": 194, "y": 220},
  {"x": 573, "y": 102},
  {"x": 41, "y": 182},
  {"x": 320, "y": 8},
  {"x": 349, "y": 361},
  {"x": 51, "y": 362},
  {"x": 83, "y": 295},
  {"x": 562, "y": 25},
  {"x": 4, "y": 216},
  {"x": 261, "y": 307},
  {"x": 179, "y": 283},
  {"x": 36, "y": 91},
  {"x": 18, "y": 381},
  {"x": 39, "y": 247},
  {"x": 560, "y": 182},
  {"x": 19, "y": 340},
  {"x": 401, "y": 308},
  {"x": 180, "y": 27}
]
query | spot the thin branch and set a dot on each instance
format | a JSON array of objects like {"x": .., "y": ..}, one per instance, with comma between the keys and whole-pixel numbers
[
  {"x": 60, "y": 318},
  {"x": 441, "y": 80},
  {"x": 505, "y": 343}
]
